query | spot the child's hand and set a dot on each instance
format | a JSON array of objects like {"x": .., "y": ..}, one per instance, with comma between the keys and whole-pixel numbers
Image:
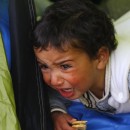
[{"x": 62, "y": 121}]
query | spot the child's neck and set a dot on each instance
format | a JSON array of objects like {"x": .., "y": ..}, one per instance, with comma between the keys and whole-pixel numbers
[{"x": 98, "y": 93}]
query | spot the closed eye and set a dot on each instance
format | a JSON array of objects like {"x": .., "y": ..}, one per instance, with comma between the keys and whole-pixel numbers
[{"x": 43, "y": 67}]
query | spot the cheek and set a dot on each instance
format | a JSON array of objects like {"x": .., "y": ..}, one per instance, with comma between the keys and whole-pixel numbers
[
  {"x": 46, "y": 78},
  {"x": 79, "y": 82},
  {"x": 73, "y": 79}
]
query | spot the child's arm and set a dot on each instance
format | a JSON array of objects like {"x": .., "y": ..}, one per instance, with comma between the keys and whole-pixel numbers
[{"x": 58, "y": 104}]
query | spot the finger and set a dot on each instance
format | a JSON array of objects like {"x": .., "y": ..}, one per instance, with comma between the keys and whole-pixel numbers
[
  {"x": 69, "y": 118},
  {"x": 67, "y": 127}
]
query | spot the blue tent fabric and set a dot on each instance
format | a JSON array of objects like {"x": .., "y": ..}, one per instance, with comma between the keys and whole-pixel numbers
[
  {"x": 4, "y": 29},
  {"x": 98, "y": 120}
]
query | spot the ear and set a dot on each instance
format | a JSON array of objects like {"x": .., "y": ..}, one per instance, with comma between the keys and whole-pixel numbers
[{"x": 102, "y": 57}]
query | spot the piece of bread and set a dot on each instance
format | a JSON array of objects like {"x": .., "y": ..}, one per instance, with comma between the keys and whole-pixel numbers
[
  {"x": 79, "y": 125},
  {"x": 79, "y": 122}
]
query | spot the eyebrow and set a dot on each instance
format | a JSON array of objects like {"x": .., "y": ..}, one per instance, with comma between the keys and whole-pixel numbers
[
  {"x": 39, "y": 61},
  {"x": 56, "y": 63},
  {"x": 61, "y": 62}
]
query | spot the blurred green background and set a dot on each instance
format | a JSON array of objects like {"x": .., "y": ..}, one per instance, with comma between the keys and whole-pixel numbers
[{"x": 114, "y": 8}]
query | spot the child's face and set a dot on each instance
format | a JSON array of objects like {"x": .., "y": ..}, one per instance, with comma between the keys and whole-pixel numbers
[{"x": 71, "y": 73}]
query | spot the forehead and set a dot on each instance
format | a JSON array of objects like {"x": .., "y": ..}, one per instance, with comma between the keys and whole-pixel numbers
[
  {"x": 53, "y": 54},
  {"x": 56, "y": 51}
]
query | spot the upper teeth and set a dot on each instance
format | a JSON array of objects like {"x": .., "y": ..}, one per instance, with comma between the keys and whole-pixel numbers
[{"x": 68, "y": 89}]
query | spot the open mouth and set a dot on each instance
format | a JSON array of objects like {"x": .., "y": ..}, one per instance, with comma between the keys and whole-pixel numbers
[{"x": 67, "y": 92}]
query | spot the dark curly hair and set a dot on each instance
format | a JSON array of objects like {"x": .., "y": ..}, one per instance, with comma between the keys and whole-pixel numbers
[{"x": 75, "y": 23}]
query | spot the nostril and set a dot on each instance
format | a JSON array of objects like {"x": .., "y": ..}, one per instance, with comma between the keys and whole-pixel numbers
[
  {"x": 56, "y": 81},
  {"x": 56, "y": 78}
]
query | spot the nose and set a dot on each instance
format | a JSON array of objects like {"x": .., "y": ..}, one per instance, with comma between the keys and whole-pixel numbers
[{"x": 56, "y": 80}]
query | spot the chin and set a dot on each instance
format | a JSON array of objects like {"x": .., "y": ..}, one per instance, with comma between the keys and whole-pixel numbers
[{"x": 74, "y": 97}]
